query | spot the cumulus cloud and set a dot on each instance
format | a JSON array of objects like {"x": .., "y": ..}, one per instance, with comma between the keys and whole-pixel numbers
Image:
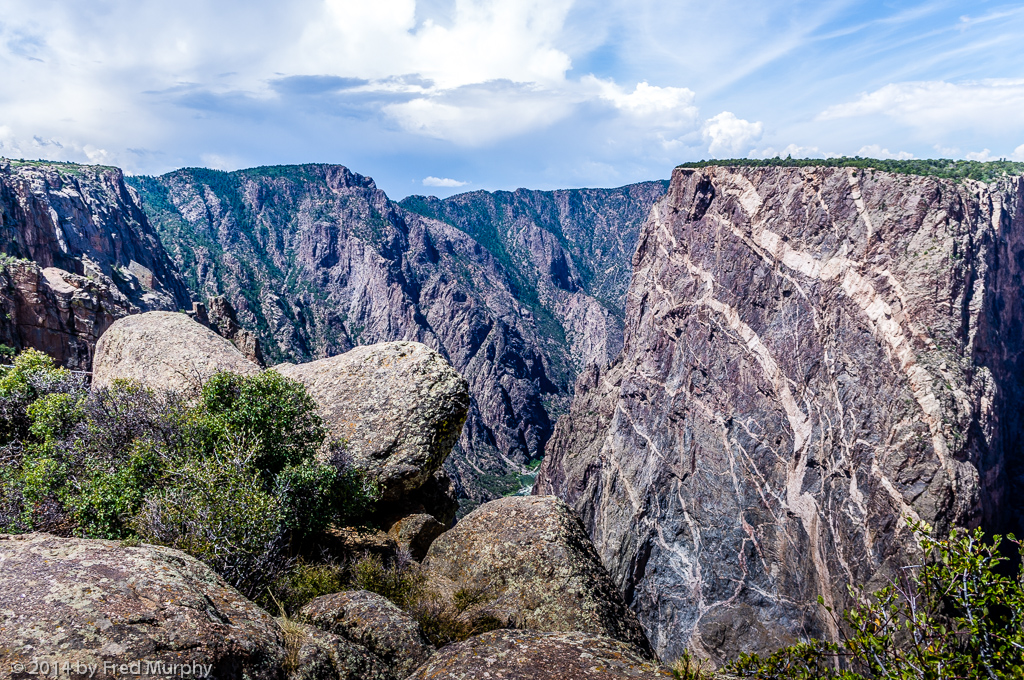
[
  {"x": 729, "y": 135},
  {"x": 446, "y": 182},
  {"x": 660, "y": 106},
  {"x": 939, "y": 106},
  {"x": 1018, "y": 153},
  {"x": 876, "y": 151}
]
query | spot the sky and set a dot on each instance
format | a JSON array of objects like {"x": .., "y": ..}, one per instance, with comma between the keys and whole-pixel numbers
[{"x": 445, "y": 96}]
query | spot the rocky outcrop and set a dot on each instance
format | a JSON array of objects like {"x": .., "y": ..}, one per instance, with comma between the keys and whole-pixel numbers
[
  {"x": 323, "y": 656},
  {"x": 317, "y": 260},
  {"x": 415, "y": 533},
  {"x": 535, "y": 564},
  {"x": 56, "y": 312},
  {"x": 533, "y": 655},
  {"x": 164, "y": 351},
  {"x": 90, "y": 602},
  {"x": 812, "y": 357},
  {"x": 399, "y": 406},
  {"x": 373, "y": 622},
  {"x": 85, "y": 220}
]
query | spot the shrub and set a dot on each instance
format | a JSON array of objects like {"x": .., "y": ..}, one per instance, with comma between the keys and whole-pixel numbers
[
  {"x": 219, "y": 511},
  {"x": 957, "y": 616},
  {"x": 234, "y": 473},
  {"x": 304, "y": 583}
]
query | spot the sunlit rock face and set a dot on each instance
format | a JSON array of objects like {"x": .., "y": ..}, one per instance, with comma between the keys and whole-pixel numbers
[{"x": 813, "y": 357}]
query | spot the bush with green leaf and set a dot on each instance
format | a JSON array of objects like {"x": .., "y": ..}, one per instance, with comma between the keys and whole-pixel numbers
[
  {"x": 239, "y": 473},
  {"x": 959, "y": 615}
]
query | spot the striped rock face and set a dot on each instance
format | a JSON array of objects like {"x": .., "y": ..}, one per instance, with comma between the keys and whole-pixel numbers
[{"x": 813, "y": 357}]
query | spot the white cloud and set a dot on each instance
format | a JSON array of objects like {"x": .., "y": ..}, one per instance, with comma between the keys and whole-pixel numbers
[
  {"x": 983, "y": 155},
  {"x": 794, "y": 150},
  {"x": 939, "y": 107},
  {"x": 659, "y": 106},
  {"x": 729, "y": 135},
  {"x": 1018, "y": 153},
  {"x": 876, "y": 151},
  {"x": 432, "y": 181}
]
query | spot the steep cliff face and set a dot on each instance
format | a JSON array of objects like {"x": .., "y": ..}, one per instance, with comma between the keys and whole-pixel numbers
[
  {"x": 79, "y": 253},
  {"x": 812, "y": 357},
  {"x": 317, "y": 260}
]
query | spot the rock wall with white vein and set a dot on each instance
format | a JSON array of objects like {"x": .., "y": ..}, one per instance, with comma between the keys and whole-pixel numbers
[{"x": 813, "y": 357}]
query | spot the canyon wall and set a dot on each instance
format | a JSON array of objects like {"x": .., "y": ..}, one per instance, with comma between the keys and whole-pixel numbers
[
  {"x": 78, "y": 254},
  {"x": 813, "y": 358},
  {"x": 317, "y": 260}
]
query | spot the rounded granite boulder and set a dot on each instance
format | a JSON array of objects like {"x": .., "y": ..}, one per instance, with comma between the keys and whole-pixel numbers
[
  {"x": 164, "y": 351},
  {"x": 99, "y": 604},
  {"x": 369, "y": 620},
  {"x": 534, "y": 564},
  {"x": 399, "y": 405},
  {"x": 533, "y": 655}
]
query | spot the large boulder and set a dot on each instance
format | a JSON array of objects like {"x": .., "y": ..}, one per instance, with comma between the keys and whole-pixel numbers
[
  {"x": 80, "y": 601},
  {"x": 532, "y": 559},
  {"x": 373, "y": 622},
  {"x": 164, "y": 351},
  {"x": 318, "y": 655},
  {"x": 533, "y": 655},
  {"x": 399, "y": 405},
  {"x": 415, "y": 533}
]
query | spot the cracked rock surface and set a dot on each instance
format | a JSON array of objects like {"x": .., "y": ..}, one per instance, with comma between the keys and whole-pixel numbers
[
  {"x": 532, "y": 655},
  {"x": 92, "y": 601},
  {"x": 812, "y": 358},
  {"x": 533, "y": 562}
]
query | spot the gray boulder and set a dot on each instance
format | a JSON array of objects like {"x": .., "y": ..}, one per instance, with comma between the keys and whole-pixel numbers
[
  {"x": 89, "y": 601},
  {"x": 415, "y": 533},
  {"x": 164, "y": 351},
  {"x": 533, "y": 655},
  {"x": 373, "y": 622},
  {"x": 533, "y": 563},
  {"x": 399, "y": 405},
  {"x": 318, "y": 655}
]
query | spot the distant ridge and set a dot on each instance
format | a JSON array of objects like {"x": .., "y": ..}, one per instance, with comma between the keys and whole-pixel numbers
[{"x": 944, "y": 168}]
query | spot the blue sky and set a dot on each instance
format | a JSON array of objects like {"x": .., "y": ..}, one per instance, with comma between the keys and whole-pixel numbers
[{"x": 443, "y": 96}]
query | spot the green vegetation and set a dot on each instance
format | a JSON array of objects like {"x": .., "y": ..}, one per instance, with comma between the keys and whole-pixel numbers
[
  {"x": 960, "y": 615},
  {"x": 989, "y": 171},
  {"x": 239, "y": 474}
]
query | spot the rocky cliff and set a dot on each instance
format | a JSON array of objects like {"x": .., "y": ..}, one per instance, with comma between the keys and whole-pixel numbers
[
  {"x": 812, "y": 357},
  {"x": 317, "y": 260},
  {"x": 79, "y": 253}
]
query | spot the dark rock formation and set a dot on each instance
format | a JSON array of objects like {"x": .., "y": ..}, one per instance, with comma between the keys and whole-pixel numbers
[
  {"x": 533, "y": 559},
  {"x": 85, "y": 220},
  {"x": 164, "y": 351},
  {"x": 80, "y": 601},
  {"x": 533, "y": 655},
  {"x": 399, "y": 406},
  {"x": 373, "y": 622},
  {"x": 415, "y": 533},
  {"x": 316, "y": 260},
  {"x": 56, "y": 312},
  {"x": 812, "y": 357}
]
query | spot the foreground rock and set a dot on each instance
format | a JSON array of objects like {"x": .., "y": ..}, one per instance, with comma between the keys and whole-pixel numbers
[
  {"x": 164, "y": 351},
  {"x": 532, "y": 560},
  {"x": 319, "y": 655},
  {"x": 812, "y": 357},
  {"x": 90, "y": 601},
  {"x": 532, "y": 655},
  {"x": 399, "y": 405},
  {"x": 373, "y": 622}
]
